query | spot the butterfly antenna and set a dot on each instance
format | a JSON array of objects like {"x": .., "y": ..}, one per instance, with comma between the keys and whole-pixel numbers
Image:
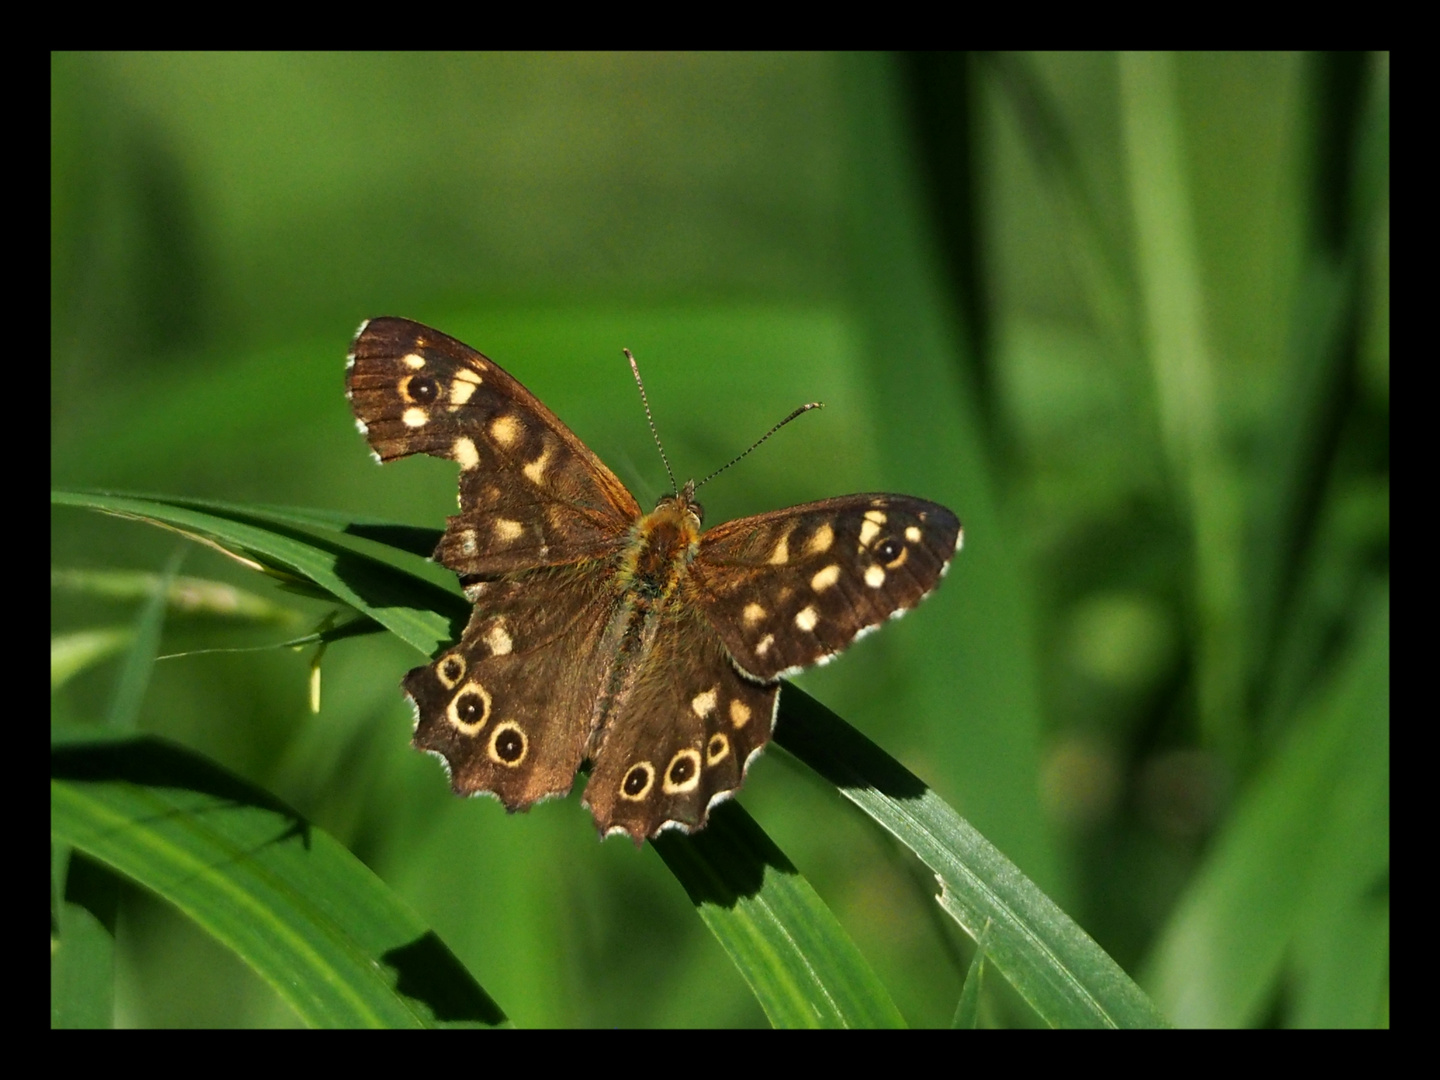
[
  {"x": 646, "y": 402},
  {"x": 757, "y": 442}
]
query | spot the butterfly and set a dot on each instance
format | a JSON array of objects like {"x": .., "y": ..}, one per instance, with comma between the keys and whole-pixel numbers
[{"x": 638, "y": 642}]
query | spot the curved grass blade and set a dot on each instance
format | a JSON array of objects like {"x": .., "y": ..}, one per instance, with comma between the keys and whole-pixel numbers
[
  {"x": 1299, "y": 877},
  {"x": 803, "y": 968},
  {"x": 84, "y": 899},
  {"x": 967, "y": 1010},
  {"x": 140, "y": 657},
  {"x": 419, "y": 611},
  {"x": 308, "y": 916},
  {"x": 1067, "y": 978},
  {"x": 186, "y": 595},
  {"x": 71, "y": 654}
]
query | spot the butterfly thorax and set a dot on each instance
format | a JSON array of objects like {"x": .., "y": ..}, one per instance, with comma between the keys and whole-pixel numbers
[{"x": 661, "y": 547}]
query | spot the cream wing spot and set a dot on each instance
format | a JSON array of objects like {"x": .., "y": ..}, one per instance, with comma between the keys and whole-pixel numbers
[
  {"x": 752, "y": 614},
  {"x": 535, "y": 470},
  {"x": 467, "y": 542},
  {"x": 806, "y": 618},
  {"x": 868, "y": 531},
  {"x": 703, "y": 704},
  {"x": 415, "y": 417},
  {"x": 498, "y": 638},
  {"x": 823, "y": 579},
  {"x": 508, "y": 745},
  {"x": 505, "y": 430},
  {"x": 739, "y": 713},
  {"x": 683, "y": 773},
  {"x": 463, "y": 450},
  {"x": 912, "y": 533},
  {"x": 875, "y": 575},
  {"x": 460, "y": 391},
  {"x": 821, "y": 541},
  {"x": 507, "y": 530},
  {"x": 414, "y": 360},
  {"x": 763, "y": 645},
  {"x": 781, "y": 555}
]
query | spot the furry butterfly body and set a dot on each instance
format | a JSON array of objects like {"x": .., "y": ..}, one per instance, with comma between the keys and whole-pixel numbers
[{"x": 641, "y": 643}]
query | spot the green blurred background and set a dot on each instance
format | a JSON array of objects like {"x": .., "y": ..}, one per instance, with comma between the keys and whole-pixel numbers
[{"x": 1127, "y": 315}]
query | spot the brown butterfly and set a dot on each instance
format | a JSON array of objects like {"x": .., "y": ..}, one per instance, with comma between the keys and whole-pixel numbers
[{"x": 600, "y": 633}]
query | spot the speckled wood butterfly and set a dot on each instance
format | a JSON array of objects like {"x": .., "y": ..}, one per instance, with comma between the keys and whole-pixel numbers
[{"x": 634, "y": 641}]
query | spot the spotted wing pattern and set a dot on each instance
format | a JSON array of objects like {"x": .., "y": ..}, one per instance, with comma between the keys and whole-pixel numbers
[
  {"x": 531, "y": 493},
  {"x": 682, "y": 733},
  {"x": 509, "y": 707},
  {"x": 792, "y": 588}
]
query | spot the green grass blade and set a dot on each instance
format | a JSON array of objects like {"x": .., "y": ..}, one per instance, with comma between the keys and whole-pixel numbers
[
  {"x": 82, "y": 945},
  {"x": 1183, "y": 364},
  {"x": 417, "y": 610},
  {"x": 1059, "y": 969},
  {"x": 71, "y": 654},
  {"x": 967, "y": 1010},
  {"x": 1067, "y": 978},
  {"x": 140, "y": 659},
  {"x": 1300, "y": 875},
  {"x": 310, "y": 918},
  {"x": 803, "y": 968},
  {"x": 185, "y": 596}
]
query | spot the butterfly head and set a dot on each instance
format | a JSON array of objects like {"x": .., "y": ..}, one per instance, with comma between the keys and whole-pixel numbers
[{"x": 683, "y": 505}]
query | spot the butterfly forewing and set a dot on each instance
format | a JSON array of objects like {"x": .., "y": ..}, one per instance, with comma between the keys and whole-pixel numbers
[
  {"x": 531, "y": 493},
  {"x": 791, "y": 588}
]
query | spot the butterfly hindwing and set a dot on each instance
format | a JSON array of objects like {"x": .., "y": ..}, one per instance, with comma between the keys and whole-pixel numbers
[
  {"x": 792, "y": 588},
  {"x": 509, "y": 707},
  {"x": 531, "y": 493},
  {"x": 680, "y": 733}
]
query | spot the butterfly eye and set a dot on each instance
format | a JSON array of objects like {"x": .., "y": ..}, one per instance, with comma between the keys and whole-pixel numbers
[
  {"x": 717, "y": 749},
  {"x": 508, "y": 745},
  {"x": 683, "y": 772},
  {"x": 698, "y": 511},
  {"x": 421, "y": 389},
  {"x": 470, "y": 708},
  {"x": 638, "y": 780}
]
